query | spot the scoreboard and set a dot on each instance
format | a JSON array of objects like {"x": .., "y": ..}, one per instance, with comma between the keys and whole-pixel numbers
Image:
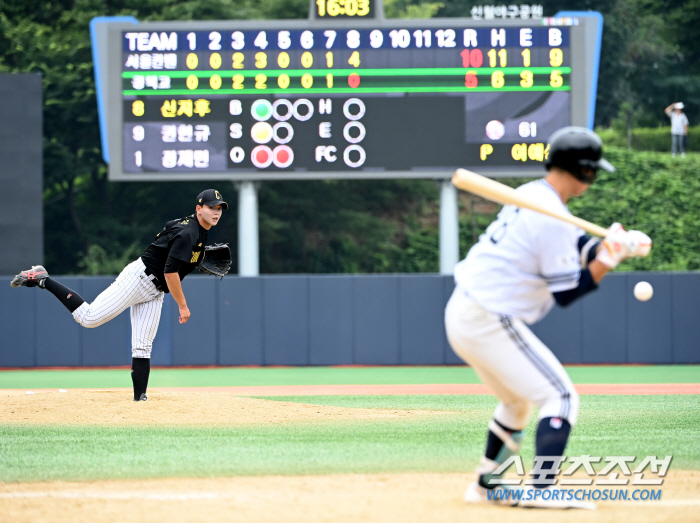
[{"x": 343, "y": 98}]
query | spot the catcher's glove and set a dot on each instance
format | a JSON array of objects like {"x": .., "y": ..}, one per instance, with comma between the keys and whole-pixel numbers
[{"x": 217, "y": 260}]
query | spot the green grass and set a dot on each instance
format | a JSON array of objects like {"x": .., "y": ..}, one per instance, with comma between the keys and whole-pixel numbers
[
  {"x": 608, "y": 425},
  {"x": 230, "y": 376}
]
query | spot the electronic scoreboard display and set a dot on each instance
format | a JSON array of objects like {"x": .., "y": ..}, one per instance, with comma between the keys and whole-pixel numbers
[{"x": 344, "y": 99}]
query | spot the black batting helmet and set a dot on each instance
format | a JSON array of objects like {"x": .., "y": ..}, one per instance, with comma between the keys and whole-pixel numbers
[{"x": 578, "y": 151}]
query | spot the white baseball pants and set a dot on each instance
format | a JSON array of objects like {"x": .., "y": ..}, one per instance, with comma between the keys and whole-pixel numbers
[
  {"x": 519, "y": 369},
  {"x": 132, "y": 288}
]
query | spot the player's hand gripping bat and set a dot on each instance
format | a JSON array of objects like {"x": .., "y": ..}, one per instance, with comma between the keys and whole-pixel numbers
[{"x": 497, "y": 192}]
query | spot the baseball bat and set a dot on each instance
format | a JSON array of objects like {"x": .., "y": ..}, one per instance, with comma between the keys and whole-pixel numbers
[{"x": 497, "y": 192}]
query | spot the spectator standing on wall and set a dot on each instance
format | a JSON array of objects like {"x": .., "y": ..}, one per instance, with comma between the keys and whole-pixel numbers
[{"x": 679, "y": 127}]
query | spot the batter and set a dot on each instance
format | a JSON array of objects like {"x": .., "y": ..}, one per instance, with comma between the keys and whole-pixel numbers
[
  {"x": 174, "y": 253},
  {"x": 522, "y": 265}
]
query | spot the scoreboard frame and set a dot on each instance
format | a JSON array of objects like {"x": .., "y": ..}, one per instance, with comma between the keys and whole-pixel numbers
[{"x": 585, "y": 35}]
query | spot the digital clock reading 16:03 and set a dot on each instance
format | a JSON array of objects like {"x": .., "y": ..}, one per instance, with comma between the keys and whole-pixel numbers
[{"x": 343, "y": 8}]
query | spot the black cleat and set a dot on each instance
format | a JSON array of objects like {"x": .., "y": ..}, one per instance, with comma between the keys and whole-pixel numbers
[
  {"x": 31, "y": 278},
  {"x": 142, "y": 397}
]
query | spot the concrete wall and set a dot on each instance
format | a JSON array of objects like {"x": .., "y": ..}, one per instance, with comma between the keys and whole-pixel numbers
[{"x": 344, "y": 319}]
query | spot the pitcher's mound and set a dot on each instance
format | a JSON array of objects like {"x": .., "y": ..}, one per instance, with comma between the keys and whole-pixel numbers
[{"x": 172, "y": 408}]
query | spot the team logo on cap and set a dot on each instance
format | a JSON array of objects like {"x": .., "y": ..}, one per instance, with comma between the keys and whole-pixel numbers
[{"x": 218, "y": 196}]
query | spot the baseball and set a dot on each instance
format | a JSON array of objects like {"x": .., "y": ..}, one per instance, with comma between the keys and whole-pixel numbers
[{"x": 643, "y": 291}]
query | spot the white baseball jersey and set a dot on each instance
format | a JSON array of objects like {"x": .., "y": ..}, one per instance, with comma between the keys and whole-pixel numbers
[{"x": 522, "y": 258}]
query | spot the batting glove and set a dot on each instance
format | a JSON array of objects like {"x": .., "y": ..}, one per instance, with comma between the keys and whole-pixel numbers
[
  {"x": 643, "y": 243},
  {"x": 620, "y": 244}
]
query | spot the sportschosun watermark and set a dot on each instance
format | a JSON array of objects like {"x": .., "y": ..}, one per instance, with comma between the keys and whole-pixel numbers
[{"x": 548, "y": 470}]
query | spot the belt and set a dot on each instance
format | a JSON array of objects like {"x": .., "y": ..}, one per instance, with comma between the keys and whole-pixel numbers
[{"x": 153, "y": 278}]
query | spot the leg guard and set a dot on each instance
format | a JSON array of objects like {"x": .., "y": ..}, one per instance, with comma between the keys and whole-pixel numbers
[
  {"x": 70, "y": 299},
  {"x": 140, "y": 370}
]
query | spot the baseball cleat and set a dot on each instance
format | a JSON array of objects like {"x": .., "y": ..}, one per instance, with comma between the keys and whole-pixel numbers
[
  {"x": 552, "y": 498},
  {"x": 500, "y": 495},
  {"x": 142, "y": 397},
  {"x": 31, "y": 278}
]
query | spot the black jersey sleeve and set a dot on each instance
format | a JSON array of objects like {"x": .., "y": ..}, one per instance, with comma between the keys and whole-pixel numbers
[
  {"x": 182, "y": 246},
  {"x": 172, "y": 265}
]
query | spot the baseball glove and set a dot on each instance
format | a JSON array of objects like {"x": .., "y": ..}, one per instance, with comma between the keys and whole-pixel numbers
[{"x": 217, "y": 260}]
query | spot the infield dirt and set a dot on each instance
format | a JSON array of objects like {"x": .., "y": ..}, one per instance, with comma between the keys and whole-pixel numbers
[
  {"x": 406, "y": 497},
  {"x": 171, "y": 408}
]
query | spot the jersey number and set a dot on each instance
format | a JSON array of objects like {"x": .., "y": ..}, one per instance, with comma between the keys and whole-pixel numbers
[{"x": 502, "y": 224}]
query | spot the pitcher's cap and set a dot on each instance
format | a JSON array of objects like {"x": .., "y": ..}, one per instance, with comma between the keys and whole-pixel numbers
[{"x": 211, "y": 197}]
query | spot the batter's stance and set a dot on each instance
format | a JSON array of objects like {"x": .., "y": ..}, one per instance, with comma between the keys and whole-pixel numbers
[
  {"x": 174, "y": 254},
  {"x": 521, "y": 266}
]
